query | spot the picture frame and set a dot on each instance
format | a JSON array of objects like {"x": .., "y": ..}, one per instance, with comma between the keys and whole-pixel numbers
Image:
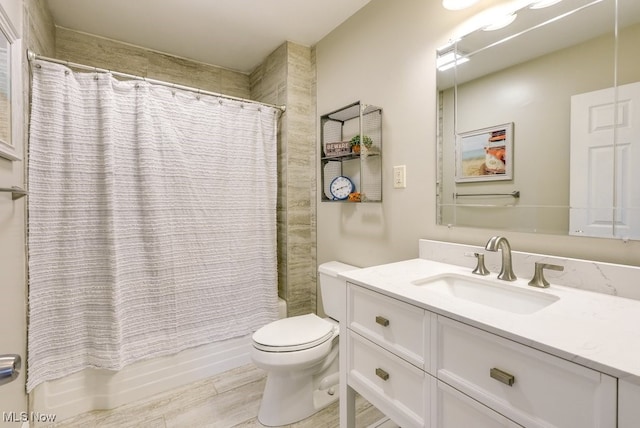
[{"x": 485, "y": 154}]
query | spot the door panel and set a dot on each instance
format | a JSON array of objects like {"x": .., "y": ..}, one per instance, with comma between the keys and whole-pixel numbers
[
  {"x": 13, "y": 330},
  {"x": 605, "y": 144}
]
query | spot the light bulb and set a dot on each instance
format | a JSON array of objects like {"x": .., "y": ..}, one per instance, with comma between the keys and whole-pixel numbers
[{"x": 449, "y": 60}]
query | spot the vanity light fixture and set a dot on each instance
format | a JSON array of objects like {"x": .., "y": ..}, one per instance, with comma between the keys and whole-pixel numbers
[
  {"x": 458, "y": 4},
  {"x": 541, "y": 4},
  {"x": 450, "y": 59},
  {"x": 501, "y": 22}
]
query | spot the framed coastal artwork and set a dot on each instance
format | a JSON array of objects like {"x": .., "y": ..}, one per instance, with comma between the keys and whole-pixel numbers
[{"x": 485, "y": 154}]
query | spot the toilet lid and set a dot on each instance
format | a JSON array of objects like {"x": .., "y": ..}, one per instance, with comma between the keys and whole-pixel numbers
[{"x": 293, "y": 334}]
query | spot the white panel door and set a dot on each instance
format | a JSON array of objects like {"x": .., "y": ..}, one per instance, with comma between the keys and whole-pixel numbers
[
  {"x": 13, "y": 401},
  {"x": 605, "y": 154}
]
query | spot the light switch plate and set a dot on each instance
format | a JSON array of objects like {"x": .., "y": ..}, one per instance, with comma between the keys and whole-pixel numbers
[{"x": 400, "y": 177}]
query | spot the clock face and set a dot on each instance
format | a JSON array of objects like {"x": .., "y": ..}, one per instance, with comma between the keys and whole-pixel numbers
[{"x": 340, "y": 187}]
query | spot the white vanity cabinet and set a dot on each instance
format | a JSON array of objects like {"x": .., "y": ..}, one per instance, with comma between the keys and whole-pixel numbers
[
  {"x": 387, "y": 342},
  {"x": 628, "y": 404},
  {"x": 453, "y": 409},
  {"x": 530, "y": 387},
  {"x": 426, "y": 370},
  {"x": 398, "y": 389}
]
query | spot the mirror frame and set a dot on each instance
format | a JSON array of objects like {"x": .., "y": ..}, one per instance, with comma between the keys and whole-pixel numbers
[{"x": 12, "y": 150}]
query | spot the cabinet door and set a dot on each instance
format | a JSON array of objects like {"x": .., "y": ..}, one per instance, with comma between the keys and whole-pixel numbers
[
  {"x": 456, "y": 410},
  {"x": 628, "y": 404},
  {"x": 529, "y": 387}
]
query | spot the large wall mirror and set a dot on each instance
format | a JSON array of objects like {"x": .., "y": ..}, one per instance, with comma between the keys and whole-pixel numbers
[{"x": 539, "y": 121}]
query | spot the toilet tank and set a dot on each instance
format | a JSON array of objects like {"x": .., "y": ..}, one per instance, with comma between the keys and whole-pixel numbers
[{"x": 332, "y": 288}]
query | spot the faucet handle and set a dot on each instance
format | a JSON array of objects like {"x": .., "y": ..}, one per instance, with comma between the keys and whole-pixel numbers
[
  {"x": 538, "y": 279},
  {"x": 480, "y": 268}
]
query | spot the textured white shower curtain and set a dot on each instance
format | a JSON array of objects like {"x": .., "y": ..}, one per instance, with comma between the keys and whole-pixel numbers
[{"x": 152, "y": 221}]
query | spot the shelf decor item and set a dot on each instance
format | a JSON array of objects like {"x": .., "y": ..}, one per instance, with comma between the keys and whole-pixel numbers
[
  {"x": 341, "y": 187},
  {"x": 355, "y": 143},
  {"x": 339, "y": 148}
]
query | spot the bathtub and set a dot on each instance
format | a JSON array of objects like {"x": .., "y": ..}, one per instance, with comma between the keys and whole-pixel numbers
[{"x": 93, "y": 389}]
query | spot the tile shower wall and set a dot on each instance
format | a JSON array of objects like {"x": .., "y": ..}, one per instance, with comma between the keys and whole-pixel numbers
[
  {"x": 38, "y": 23},
  {"x": 301, "y": 180},
  {"x": 99, "y": 52},
  {"x": 284, "y": 78},
  {"x": 268, "y": 84}
]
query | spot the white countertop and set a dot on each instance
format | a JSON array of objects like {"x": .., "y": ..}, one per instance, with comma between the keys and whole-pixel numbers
[{"x": 592, "y": 329}]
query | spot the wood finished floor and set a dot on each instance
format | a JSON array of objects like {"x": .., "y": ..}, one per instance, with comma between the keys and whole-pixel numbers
[{"x": 228, "y": 400}]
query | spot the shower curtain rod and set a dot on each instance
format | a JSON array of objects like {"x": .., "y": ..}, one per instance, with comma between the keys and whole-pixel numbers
[{"x": 33, "y": 56}]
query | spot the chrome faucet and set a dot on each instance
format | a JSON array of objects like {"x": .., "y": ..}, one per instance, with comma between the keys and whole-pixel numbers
[
  {"x": 500, "y": 243},
  {"x": 538, "y": 279}
]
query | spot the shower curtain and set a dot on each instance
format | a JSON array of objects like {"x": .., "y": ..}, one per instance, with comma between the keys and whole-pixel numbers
[{"x": 152, "y": 221}]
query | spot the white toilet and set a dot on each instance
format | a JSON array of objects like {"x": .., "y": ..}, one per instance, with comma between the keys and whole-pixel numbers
[{"x": 300, "y": 356}]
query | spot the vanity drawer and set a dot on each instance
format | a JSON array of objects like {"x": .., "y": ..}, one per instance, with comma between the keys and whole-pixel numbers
[
  {"x": 456, "y": 410},
  {"x": 397, "y": 326},
  {"x": 395, "y": 387},
  {"x": 546, "y": 390}
]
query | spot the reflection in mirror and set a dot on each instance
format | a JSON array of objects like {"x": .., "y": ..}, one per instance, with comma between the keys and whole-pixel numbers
[
  {"x": 555, "y": 73},
  {"x": 5, "y": 90}
]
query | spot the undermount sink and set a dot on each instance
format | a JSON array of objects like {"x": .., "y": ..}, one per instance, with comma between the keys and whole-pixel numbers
[{"x": 506, "y": 297}]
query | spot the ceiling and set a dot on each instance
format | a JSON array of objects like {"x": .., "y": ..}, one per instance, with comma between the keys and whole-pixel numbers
[{"x": 235, "y": 34}]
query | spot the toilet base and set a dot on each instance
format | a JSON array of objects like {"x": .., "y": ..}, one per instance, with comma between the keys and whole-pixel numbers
[
  {"x": 299, "y": 383},
  {"x": 288, "y": 399}
]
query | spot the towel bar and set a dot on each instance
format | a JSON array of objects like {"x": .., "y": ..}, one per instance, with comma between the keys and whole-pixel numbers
[
  {"x": 515, "y": 194},
  {"x": 16, "y": 192}
]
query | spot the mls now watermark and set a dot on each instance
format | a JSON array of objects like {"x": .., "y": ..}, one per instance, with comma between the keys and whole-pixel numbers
[{"x": 28, "y": 417}]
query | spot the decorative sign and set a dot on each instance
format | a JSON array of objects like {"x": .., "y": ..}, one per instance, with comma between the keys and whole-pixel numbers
[{"x": 337, "y": 149}]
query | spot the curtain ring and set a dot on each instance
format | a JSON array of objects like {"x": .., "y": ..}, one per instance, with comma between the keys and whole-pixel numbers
[{"x": 66, "y": 72}]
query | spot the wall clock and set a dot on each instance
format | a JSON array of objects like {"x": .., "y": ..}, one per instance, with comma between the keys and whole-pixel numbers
[{"x": 341, "y": 187}]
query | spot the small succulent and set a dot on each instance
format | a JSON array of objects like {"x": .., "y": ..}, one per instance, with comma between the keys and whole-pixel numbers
[{"x": 366, "y": 141}]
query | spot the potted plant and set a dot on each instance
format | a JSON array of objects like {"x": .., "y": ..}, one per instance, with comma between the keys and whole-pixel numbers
[{"x": 355, "y": 143}]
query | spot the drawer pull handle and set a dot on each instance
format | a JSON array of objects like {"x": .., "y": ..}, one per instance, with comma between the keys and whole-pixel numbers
[
  {"x": 382, "y": 374},
  {"x": 500, "y": 376},
  {"x": 382, "y": 321}
]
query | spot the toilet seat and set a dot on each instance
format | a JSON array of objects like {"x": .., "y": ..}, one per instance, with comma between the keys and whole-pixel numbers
[{"x": 294, "y": 334}]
